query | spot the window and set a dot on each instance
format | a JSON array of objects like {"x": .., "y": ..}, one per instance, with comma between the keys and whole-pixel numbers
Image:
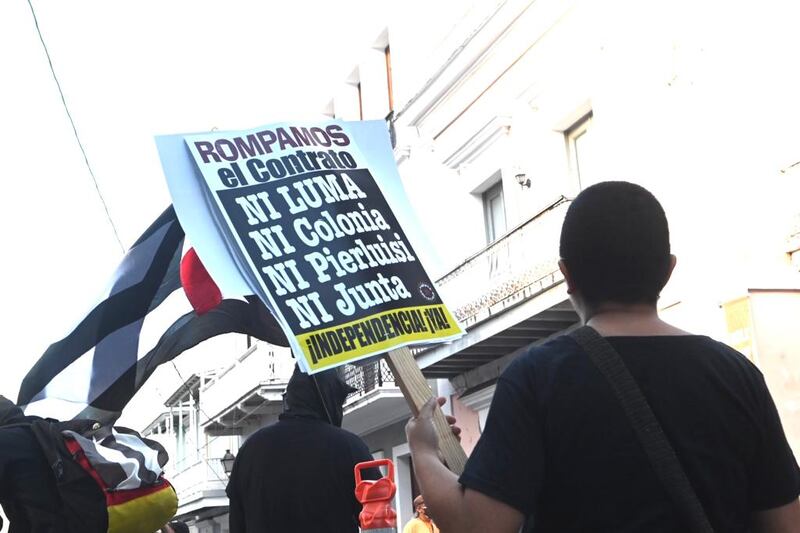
[
  {"x": 581, "y": 151},
  {"x": 494, "y": 212},
  {"x": 368, "y": 92}
]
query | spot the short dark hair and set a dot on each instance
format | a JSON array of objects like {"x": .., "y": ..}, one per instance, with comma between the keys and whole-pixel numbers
[
  {"x": 615, "y": 244},
  {"x": 179, "y": 527}
]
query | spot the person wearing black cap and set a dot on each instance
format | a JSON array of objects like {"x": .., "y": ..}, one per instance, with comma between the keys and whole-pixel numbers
[{"x": 297, "y": 475}]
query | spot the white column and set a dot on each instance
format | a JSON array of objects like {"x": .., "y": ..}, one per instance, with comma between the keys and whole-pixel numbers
[
  {"x": 403, "y": 501},
  {"x": 192, "y": 429},
  {"x": 181, "y": 449}
]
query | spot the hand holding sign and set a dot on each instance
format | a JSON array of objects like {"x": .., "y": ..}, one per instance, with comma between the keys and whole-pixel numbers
[
  {"x": 418, "y": 394},
  {"x": 301, "y": 212}
]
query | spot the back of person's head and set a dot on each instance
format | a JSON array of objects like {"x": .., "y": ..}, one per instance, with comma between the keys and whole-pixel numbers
[
  {"x": 176, "y": 526},
  {"x": 615, "y": 244},
  {"x": 179, "y": 527},
  {"x": 10, "y": 413},
  {"x": 320, "y": 396}
]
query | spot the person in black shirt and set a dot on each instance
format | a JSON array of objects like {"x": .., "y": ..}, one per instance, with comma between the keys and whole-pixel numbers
[
  {"x": 558, "y": 453},
  {"x": 296, "y": 476},
  {"x": 28, "y": 491}
]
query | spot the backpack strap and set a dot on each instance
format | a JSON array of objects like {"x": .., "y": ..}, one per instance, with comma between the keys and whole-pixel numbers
[
  {"x": 46, "y": 439},
  {"x": 656, "y": 446},
  {"x": 83, "y": 502},
  {"x": 48, "y": 435}
]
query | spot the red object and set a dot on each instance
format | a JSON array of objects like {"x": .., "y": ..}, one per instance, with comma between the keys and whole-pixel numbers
[
  {"x": 200, "y": 289},
  {"x": 376, "y": 497}
]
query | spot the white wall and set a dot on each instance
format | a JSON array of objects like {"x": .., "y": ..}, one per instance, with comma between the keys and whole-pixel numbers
[{"x": 682, "y": 104}]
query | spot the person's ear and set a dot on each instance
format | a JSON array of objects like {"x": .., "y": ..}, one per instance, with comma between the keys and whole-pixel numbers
[
  {"x": 562, "y": 266},
  {"x": 672, "y": 262}
]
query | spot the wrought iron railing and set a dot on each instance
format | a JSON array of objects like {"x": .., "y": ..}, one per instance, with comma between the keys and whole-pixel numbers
[
  {"x": 524, "y": 259},
  {"x": 366, "y": 377}
]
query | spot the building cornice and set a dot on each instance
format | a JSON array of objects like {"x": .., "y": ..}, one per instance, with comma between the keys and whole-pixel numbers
[
  {"x": 455, "y": 67},
  {"x": 479, "y": 142}
]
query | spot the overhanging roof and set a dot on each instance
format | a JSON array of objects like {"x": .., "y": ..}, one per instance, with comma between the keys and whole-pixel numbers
[{"x": 552, "y": 320}]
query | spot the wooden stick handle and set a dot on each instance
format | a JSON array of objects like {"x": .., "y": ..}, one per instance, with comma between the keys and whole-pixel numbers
[{"x": 409, "y": 378}]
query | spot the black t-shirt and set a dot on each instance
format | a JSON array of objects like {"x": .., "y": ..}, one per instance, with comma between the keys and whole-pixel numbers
[
  {"x": 296, "y": 476},
  {"x": 558, "y": 446}
]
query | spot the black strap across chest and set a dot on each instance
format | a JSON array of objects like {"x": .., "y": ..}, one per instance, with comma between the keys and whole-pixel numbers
[{"x": 652, "y": 438}]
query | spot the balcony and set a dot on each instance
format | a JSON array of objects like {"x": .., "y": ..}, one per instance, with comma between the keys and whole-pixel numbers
[
  {"x": 507, "y": 295},
  {"x": 252, "y": 387},
  {"x": 201, "y": 486},
  {"x": 377, "y": 403}
]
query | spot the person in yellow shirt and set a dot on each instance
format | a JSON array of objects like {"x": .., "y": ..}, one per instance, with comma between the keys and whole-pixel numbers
[{"x": 422, "y": 523}]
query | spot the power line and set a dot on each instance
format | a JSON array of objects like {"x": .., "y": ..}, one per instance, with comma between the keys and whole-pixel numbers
[{"x": 74, "y": 129}]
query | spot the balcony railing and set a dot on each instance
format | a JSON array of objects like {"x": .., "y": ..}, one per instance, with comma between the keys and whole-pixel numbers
[
  {"x": 524, "y": 259},
  {"x": 199, "y": 480},
  {"x": 368, "y": 377}
]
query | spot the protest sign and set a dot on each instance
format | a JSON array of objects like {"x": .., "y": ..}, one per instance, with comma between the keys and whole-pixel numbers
[{"x": 309, "y": 227}]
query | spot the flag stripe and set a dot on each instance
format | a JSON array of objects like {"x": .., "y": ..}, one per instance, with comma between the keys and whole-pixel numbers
[
  {"x": 118, "y": 310},
  {"x": 95, "y": 371},
  {"x": 161, "y": 453},
  {"x": 230, "y": 316},
  {"x": 119, "y": 348},
  {"x": 172, "y": 279},
  {"x": 124, "y": 461},
  {"x": 145, "y": 476}
]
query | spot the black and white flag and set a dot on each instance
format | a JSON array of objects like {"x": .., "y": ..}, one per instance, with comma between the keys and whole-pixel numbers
[{"x": 95, "y": 370}]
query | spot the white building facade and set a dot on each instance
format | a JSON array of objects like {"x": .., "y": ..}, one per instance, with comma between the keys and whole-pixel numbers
[{"x": 501, "y": 112}]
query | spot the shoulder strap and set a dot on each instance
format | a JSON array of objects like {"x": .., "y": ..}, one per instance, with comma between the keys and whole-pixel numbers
[
  {"x": 83, "y": 502},
  {"x": 42, "y": 432},
  {"x": 51, "y": 441},
  {"x": 658, "y": 449}
]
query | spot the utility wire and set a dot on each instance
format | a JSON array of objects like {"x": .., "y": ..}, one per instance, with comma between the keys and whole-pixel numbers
[{"x": 75, "y": 130}]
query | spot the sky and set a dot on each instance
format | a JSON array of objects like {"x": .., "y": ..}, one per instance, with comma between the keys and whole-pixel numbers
[{"x": 130, "y": 71}]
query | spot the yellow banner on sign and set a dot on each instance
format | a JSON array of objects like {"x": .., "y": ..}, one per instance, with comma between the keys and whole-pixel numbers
[{"x": 324, "y": 348}]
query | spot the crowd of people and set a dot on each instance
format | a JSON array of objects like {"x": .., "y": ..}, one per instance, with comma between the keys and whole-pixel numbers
[{"x": 628, "y": 424}]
